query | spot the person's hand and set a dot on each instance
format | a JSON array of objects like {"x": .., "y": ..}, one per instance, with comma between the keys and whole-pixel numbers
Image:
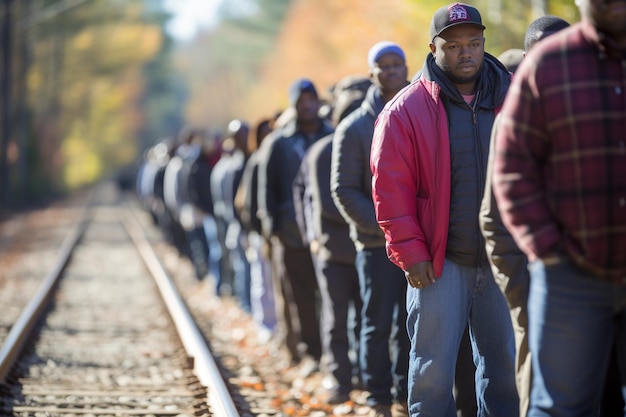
[
  {"x": 554, "y": 256},
  {"x": 420, "y": 275},
  {"x": 314, "y": 246}
]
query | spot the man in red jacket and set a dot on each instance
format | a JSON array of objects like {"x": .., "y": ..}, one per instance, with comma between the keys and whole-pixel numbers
[{"x": 429, "y": 158}]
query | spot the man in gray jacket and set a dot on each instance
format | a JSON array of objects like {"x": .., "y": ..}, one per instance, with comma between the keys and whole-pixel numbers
[
  {"x": 382, "y": 284},
  {"x": 326, "y": 233}
]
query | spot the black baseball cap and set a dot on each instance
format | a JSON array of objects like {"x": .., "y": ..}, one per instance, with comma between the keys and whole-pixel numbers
[{"x": 453, "y": 15}]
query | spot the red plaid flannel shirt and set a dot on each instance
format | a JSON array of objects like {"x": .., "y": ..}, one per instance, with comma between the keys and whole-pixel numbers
[{"x": 560, "y": 169}]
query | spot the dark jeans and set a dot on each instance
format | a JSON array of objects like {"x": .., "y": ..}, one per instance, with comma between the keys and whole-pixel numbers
[
  {"x": 198, "y": 251},
  {"x": 612, "y": 404},
  {"x": 235, "y": 239},
  {"x": 224, "y": 284},
  {"x": 300, "y": 294},
  {"x": 464, "y": 380},
  {"x": 571, "y": 310},
  {"x": 341, "y": 300},
  {"x": 384, "y": 341}
]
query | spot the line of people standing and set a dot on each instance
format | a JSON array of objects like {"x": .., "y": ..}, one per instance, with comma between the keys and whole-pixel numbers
[
  {"x": 559, "y": 190},
  {"x": 319, "y": 225}
]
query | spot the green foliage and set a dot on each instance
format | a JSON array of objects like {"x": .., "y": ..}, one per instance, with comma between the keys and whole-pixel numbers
[
  {"x": 95, "y": 82},
  {"x": 164, "y": 93},
  {"x": 240, "y": 68},
  {"x": 98, "y": 86}
]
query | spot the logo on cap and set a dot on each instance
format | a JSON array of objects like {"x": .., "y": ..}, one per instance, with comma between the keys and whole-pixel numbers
[
  {"x": 452, "y": 15},
  {"x": 458, "y": 12}
]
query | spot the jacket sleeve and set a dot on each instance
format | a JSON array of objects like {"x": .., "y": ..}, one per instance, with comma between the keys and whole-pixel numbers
[
  {"x": 299, "y": 204},
  {"x": 395, "y": 189},
  {"x": 243, "y": 194},
  {"x": 521, "y": 146},
  {"x": 216, "y": 185},
  {"x": 267, "y": 193},
  {"x": 508, "y": 261},
  {"x": 348, "y": 162},
  {"x": 330, "y": 212}
]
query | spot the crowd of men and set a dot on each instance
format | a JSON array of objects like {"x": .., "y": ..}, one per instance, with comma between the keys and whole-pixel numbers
[{"x": 455, "y": 245}]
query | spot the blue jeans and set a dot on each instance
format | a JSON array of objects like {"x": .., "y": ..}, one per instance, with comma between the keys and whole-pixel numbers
[
  {"x": 236, "y": 240},
  {"x": 437, "y": 316},
  {"x": 384, "y": 343},
  {"x": 261, "y": 288},
  {"x": 574, "y": 319},
  {"x": 215, "y": 249}
]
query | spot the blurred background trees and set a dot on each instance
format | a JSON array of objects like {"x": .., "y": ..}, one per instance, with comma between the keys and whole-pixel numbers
[{"x": 87, "y": 85}]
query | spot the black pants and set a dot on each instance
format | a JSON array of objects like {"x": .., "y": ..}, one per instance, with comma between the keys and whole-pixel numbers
[
  {"x": 300, "y": 294},
  {"x": 464, "y": 379},
  {"x": 340, "y": 320},
  {"x": 612, "y": 398}
]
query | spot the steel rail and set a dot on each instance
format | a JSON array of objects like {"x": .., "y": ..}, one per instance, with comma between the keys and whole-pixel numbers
[
  {"x": 205, "y": 367},
  {"x": 24, "y": 325}
]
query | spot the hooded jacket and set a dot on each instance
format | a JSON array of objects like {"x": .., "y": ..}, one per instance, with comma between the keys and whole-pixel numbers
[
  {"x": 413, "y": 172},
  {"x": 279, "y": 160},
  {"x": 316, "y": 213},
  {"x": 351, "y": 177}
]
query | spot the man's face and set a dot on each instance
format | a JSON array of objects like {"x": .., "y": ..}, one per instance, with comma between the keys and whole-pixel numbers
[
  {"x": 390, "y": 72},
  {"x": 307, "y": 106},
  {"x": 459, "y": 52},
  {"x": 608, "y": 16}
]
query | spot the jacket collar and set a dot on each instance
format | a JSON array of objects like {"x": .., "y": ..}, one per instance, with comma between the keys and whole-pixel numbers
[
  {"x": 291, "y": 128},
  {"x": 373, "y": 103},
  {"x": 493, "y": 82}
]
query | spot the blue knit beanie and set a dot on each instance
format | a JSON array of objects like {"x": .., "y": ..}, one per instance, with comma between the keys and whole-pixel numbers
[
  {"x": 382, "y": 48},
  {"x": 298, "y": 87}
]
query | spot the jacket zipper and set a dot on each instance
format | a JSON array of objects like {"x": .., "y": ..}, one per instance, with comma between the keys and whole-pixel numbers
[{"x": 481, "y": 172}]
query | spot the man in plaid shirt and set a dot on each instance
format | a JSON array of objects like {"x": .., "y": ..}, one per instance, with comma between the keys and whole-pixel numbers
[{"x": 560, "y": 184}]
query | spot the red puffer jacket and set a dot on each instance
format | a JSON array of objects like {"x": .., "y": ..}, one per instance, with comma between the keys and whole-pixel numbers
[{"x": 412, "y": 205}]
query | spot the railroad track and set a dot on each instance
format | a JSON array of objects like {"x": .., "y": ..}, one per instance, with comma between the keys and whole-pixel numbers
[
  {"x": 258, "y": 374},
  {"x": 106, "y": 332}
]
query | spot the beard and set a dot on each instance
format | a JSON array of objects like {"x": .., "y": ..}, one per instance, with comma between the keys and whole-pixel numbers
[{"x": 456, "y": 79}]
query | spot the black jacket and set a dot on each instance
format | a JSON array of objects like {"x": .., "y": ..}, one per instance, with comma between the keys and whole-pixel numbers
[{"x": 281, "y": 154}]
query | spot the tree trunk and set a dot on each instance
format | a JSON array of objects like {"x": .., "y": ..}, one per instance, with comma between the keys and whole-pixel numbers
[{"x": 5, "y": 94}]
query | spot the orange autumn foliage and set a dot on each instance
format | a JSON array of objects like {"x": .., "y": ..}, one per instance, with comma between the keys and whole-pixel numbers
[
  {"x": 326, "y": 40},
  {"x": 323, "y": 40}
]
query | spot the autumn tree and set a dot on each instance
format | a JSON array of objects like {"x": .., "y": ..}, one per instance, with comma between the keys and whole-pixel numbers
[
  {"x": 89, "y": 70},
  {"x": 243, "y": 67}
]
